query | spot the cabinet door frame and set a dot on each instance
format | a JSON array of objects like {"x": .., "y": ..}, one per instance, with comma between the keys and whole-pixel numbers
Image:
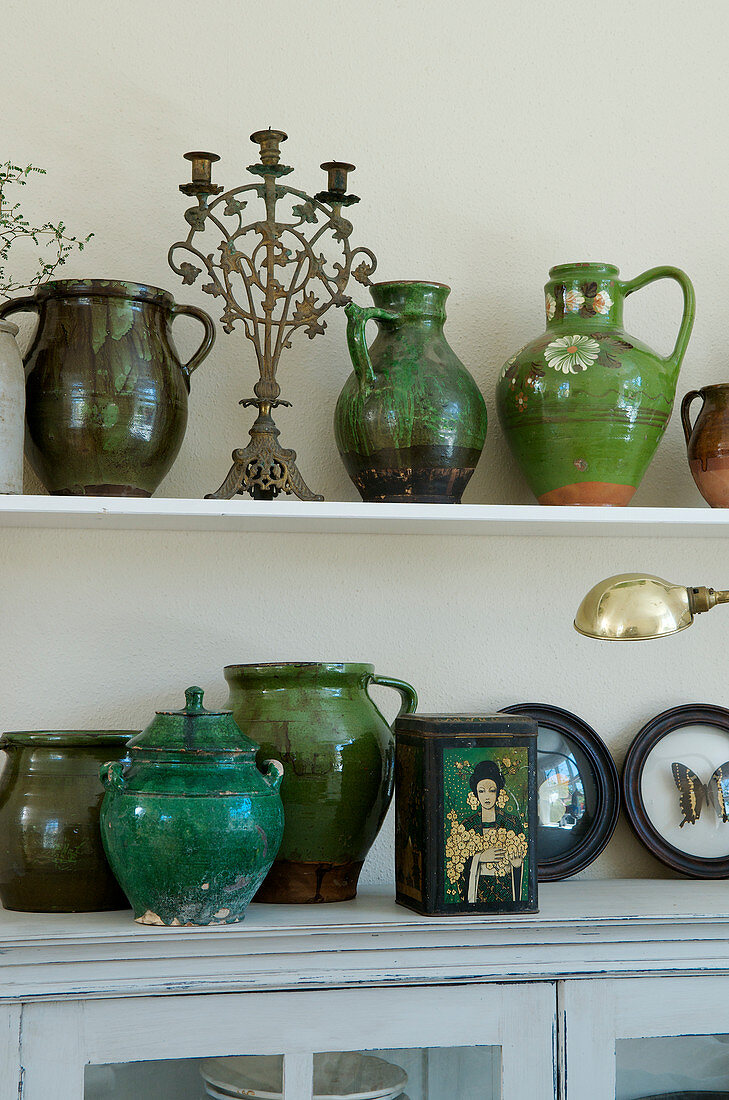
[
  {"x": 11, "y": 1071},
  {"x": 594, "y": 1014},
  {"x": 59, "y": 1038}
]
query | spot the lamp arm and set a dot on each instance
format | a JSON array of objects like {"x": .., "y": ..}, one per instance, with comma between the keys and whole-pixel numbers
[{"x": 703, "y": 599}]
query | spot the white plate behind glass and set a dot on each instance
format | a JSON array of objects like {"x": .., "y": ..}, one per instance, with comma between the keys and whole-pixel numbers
[{"x": 346, "y": 1076}]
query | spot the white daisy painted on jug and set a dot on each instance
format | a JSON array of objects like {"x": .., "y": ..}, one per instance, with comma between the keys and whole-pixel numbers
[
  {"x": 573, "y": 300},
  {"x": 572, "y": 354},
  {"x": 602, "y": 302},
  {"x": 551, "y": 306}
]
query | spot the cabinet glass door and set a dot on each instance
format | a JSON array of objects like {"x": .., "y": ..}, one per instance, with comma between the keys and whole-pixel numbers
[
  {"x": 438, "y": 1073},
  {"x": 679, "y": 1064},
  {"x": 473, "y": 1042},
  {"x": 647, "y": 1038}
]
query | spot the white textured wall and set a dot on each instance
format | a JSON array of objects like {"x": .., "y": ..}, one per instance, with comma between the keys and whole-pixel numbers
[{"x": 492, "y": 140}]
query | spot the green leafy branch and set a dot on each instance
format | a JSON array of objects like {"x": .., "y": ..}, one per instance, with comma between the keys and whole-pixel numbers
[{"x": 14, "y": 225}]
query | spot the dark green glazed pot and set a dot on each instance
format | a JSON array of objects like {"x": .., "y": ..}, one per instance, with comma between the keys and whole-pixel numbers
[
  {"x": 338, "y": 753},
  {"x": 410, "y": 423},
  {"x": 190, "y": 825},
  {"x": 106, "y": 394},
  {"x": 585, "y": 405},
  {"x": 51, "y": 856}
]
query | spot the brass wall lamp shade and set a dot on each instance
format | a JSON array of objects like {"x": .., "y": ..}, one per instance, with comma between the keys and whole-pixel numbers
[{"x": 638, "y": 606}]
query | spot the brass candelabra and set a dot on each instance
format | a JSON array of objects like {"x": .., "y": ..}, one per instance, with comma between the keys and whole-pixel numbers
[{"x": 283, "y": 282}]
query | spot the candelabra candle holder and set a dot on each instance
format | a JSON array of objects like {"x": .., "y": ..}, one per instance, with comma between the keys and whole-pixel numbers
[{"x": 281, "y": 283}]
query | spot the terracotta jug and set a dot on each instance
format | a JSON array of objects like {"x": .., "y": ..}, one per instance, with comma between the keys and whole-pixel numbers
[
  {"x": 338, "y": 752},
  {"x": 707, "y": 442},
  {"x": 585, "y": 405},
  {"x": 106, "y": 394},
  {"x": 410, "y": 423}
]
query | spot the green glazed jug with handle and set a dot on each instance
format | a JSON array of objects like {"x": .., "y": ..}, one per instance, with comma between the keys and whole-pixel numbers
[
  {"x": 585, "y": 405},
  {"x": 338, "y": 754},
  {"x": 410, "y": 422}
]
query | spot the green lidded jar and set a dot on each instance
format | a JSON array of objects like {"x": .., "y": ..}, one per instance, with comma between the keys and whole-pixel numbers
[
  {"x": 189, "y": 823},
  {"x": 51, "y": 856}
]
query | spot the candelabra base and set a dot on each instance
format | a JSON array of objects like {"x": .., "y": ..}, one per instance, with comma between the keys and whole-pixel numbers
[{"x": 264, "y": 468}]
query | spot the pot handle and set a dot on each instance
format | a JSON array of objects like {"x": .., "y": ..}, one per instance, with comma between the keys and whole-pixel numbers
[
  {"x": 273, "y": 774},
  {"x": 408, "y": 694},
  {"x": 111, "y": 776},
  {"x": 16, "y": 305},
  {"x": 208, "y": 339},
  {"x": 688, "y": 427},
  {"x": 689, "y": 306},
  {"x": 357, "y": 318}
]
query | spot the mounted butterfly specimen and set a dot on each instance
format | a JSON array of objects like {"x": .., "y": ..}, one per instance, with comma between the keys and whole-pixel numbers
[{"x": 693, "y": 793}]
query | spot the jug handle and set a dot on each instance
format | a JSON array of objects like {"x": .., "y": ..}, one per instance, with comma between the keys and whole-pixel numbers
[
  {"x": 273, "y": 774},
  {"x": 16, "y": 305},
  {"x": 357, "y": 318},
  {"x": 111, "y": 776},
  {"x": 208, "y": 339},
  {"x": 689, "y": 306},
  {"x": 408, "y": 694},
  {"x": 688, "y": 427}
]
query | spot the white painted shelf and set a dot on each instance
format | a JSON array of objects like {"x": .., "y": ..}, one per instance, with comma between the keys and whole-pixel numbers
[
  {"x": 584, "y": 929},
  {"x": 346, "y": 517}
]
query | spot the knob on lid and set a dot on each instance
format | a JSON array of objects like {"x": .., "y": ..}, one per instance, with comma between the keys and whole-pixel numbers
[{"x": 194, "y": 729}]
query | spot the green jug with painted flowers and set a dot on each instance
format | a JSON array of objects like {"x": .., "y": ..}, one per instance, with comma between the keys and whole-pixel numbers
[{"x": 585, "y": 405}]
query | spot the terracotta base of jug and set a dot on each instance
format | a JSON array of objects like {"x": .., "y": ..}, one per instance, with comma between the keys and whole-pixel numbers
[
  {"x": 293, "y": 883},
  {"x": 602, "y": 494}
]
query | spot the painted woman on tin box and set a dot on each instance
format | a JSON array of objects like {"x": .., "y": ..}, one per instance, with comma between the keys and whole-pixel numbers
[{"x": 493, "y": 874}]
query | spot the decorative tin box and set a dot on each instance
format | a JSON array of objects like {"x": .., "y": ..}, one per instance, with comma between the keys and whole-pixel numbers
[{"x": 465, "y": 812}]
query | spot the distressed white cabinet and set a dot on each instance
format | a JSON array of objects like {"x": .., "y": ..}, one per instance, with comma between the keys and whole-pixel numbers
[
  {"x": 151, "y": 1046},
  {"x": 611, "y": 987}
]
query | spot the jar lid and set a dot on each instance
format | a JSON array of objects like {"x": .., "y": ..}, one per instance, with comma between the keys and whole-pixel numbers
[{"x": 194, "y": 729}]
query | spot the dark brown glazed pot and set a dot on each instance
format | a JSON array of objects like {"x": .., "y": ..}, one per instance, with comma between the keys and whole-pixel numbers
[
  {"x": 106, "y": 393},
  {"x": 51, "y": 855},
  {"x": 707, "y": 442}
]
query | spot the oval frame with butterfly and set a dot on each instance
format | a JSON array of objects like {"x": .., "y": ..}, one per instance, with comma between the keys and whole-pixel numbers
[{"x": 694, "y": 794}]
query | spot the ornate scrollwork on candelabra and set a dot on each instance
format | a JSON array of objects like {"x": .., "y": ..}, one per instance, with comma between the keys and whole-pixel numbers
[{"x": 280, "y": 283}]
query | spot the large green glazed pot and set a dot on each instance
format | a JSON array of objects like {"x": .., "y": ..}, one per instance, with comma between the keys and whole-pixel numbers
[
  {"x": 189, "y": 823},
  {"x": 51, "y": 856},
  {"x": 339, "y": 755},
  {"x": 106, "y": 393},
  {"x": 585, "y": 405},
  {"x": 410, "y": 423}
]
